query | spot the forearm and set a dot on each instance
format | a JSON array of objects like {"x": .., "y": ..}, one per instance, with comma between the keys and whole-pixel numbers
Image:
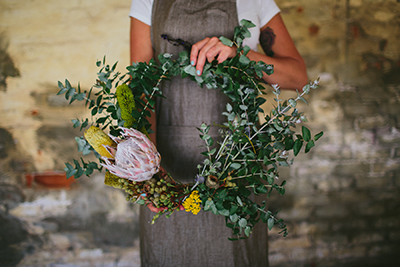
[
  {"x": 289, "y": 73},
  {"x": 141, "y": 50}
]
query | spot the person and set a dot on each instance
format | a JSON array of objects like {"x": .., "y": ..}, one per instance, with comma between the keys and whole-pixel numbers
[{"x": 185, "y": 239}]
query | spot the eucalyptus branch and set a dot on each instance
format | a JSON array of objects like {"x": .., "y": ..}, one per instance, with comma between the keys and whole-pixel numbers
[
  {"x": 276, "y": 220},
  {"x": 208, "y": 150},
  {"x": 249, "y": 160},
  {"x": 219, "y": 153},
  {"x": 250, "y": 77},
  {"x": 275, "y": 116},
  {"x": 152, "y": 94},
  {"x": 265, "y": 185}
]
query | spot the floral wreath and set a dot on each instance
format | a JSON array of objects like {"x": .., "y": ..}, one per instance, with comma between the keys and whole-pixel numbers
[{"x": 245, "y": 162}]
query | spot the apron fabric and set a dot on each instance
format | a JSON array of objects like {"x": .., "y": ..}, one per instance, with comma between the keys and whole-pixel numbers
[{"x": 185, "y": 239}]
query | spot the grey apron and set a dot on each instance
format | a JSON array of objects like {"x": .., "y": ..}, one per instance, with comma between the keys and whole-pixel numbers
[{"x": 185, "y": 239}]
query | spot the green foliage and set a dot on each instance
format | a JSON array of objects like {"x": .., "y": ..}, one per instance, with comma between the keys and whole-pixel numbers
[{"x": 248, "y": 158}]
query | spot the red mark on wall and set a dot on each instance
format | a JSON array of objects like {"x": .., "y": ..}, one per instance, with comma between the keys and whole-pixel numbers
[
  {"x": 313, "y": 29},
  {"x": 300, "y": 9},
  {"x": 355, "y": 31}
]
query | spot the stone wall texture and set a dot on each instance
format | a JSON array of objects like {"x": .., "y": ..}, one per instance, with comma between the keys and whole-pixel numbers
[{"x": 342, "y": 200}]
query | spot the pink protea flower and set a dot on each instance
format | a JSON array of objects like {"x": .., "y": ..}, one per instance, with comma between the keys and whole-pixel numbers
[{"x": 135, "y": 157}]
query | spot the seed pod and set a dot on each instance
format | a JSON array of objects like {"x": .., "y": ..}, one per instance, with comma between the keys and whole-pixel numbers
[{"x": 98, "y": 139}]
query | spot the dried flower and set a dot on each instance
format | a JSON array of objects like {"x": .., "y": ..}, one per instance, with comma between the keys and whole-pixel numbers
[
  {"x": 199, "y": 179},
  {"x": 177, "y": 42},
  {"x": 212, "y": 182},
  {"x": 135, "y": 157}
]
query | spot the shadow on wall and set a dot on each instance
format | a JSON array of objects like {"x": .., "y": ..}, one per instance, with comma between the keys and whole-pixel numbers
[{"x": 7, "y": 67}]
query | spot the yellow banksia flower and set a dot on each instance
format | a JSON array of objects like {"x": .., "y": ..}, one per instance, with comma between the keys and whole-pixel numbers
[
  {"x": 98, "y": 139},
  {"x": 112, "y": 180},
  {"x": 192, "y": 203},
  {"x": 126, "y": 102}
]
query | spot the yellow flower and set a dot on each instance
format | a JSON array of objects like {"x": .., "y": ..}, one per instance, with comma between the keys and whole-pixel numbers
[{"x": 192, "y": 203}]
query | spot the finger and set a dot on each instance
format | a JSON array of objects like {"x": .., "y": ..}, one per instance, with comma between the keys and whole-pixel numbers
[
  {"x": 212, "y": 53},
  {"x": 154, "y": 209},
  {"x": 225, "y": 53},
  {"x": 195, "y": 50},
  {"x": 202, "y": 55}
]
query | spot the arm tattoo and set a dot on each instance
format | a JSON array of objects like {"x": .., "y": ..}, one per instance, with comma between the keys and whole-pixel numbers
[{"x": 267, "y": 40}]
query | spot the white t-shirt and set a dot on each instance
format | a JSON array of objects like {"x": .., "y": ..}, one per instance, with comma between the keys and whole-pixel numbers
[{"x": 260, "y": 12}]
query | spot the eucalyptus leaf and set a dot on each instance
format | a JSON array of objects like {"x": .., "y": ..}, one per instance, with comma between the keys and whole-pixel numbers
[
  {"x": 243, "y": 107},
  {"x": 247, "y": 23},
  {"x": 239, "y": 201},
  {"x": 140, "y": 201},
  {"x": 234, "y": 218},
  {"x": 247, "y": 231},
  {"x": 208, "y": 205},
  {"x": 228, "y": 107},
  {"x": 70, "y": 92},
  {"x": 270, "y": 223},
  {"x": 306, "y": 133},
  {"x": 226, "y": 41},
  {"x": 76, "y": 123},
  {"x": 292, "y": 102},
  {"x": 306, "y": 89},
  {"x": 191, "y": 70},
  {"x": 318, "y": 136},
  {"x": 309, "y": 145},
  {"x": 236, "y": 166},
  {"x": 242, "y": 222},
  {"x": 224, "y": 212},
  {"x": 244, "y": 60},
  {"x": 70, "y": 171}
]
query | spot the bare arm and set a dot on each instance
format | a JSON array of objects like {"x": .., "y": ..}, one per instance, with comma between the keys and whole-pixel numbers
[
  {"x": 141, "y": 50},
  {"x": 289, "y": 68}
]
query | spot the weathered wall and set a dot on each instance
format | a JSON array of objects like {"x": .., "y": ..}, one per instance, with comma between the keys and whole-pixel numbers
[
  {"x": 342, "y": 199},
  {"x": 342, "y": 202},
  {"x": 42, "y": 42}
]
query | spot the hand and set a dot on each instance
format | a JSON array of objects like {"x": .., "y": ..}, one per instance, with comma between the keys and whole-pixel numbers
[
  {"x": 149, "y": 204},
  {"x": 210, "y": 49},
  {"x": 154, "y": 209}
]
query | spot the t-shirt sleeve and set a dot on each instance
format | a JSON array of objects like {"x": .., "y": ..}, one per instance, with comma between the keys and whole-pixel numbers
[
  {"x": 141, "y": 10},
  {"x": 260, "y": 12},
  {"x": 268, "y": 9}
]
